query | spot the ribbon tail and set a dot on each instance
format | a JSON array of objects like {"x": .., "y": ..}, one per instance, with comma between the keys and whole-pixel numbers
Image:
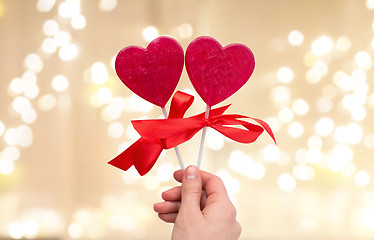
[
  {"x": 142, "y": 154},
  {"x": 241, "y": 135},
  {"x": 124, "y": 160},
  {"x": 266, "y": 127},
  {"x": 146, "y": 156}
]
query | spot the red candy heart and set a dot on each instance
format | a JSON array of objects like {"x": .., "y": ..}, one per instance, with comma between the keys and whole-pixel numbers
[
  {"x": 152, "y": 73},
  {"x": 217, "y": 72}
]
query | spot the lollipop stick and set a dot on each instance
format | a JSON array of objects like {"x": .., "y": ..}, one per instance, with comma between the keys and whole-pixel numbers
[
  {"x": 203, "y": 138},
  {"x": 175, "y": 148}
]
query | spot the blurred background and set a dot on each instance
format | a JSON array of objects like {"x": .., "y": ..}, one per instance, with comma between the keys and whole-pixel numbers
[{"x": 65, "y": 114}]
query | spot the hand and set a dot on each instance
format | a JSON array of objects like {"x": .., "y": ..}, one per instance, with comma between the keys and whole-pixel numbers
[{"x": 200, "y": 208}]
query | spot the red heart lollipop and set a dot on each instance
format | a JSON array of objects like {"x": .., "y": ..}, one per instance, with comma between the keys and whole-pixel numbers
[
  {"x": 217, "y": 72},
  {"x": 152, "y": 73}
]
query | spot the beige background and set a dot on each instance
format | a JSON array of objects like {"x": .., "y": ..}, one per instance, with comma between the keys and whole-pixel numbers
[{"x": 54, "y": 178}]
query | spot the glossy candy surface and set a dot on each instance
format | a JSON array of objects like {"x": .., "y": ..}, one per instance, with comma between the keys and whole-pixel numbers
[
  {"x": 152, "y": 73},
  {"x": 217, "y": 72}
]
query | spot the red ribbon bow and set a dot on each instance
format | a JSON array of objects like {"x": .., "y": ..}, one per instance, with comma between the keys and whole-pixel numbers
[{"x": 160, "y": 134}]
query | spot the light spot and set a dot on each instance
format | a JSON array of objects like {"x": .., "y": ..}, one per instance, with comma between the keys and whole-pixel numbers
[
  {"x": 362, "y": 178},
  {"x": 300, "y": 107},
  {"x": 45, "y": 5},
  {"x": 215, "y": 140},
  {"x": 322, "y": 46},
  {"x": 78, "y": 22},
  {"x": 363, "y": 59},
  {"x": 295, "y": 38},
  {"x": 99, "y": 73},
  {"x": 68, "y": 52},
  {"x": 60, "y": 83},
  {"x": 150, "y": 33},
  {"x": 343, "y": 44},
  {"x": 107, "y": 5},
  {"x": 75, "y": 231},
  {"x": 295, "y": 129},
  {"x": 115, "y": 130},
  {"x": 286, "y": 182},
  {"x": 47, "y": 102},
  {"x": 33, "y": 62},
  {"x": 285, "y": 115},
  {"x": 303, "y": 172},
  {"x": 50, "y": 27},
  {"x": 285, "y": 75},
  {"x": 324, "y": 126}
]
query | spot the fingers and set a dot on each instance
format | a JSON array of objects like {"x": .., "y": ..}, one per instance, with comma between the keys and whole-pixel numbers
[
  {"x": 167, "y": 207},
  {"x": 168, "y": 217},
  {"x": 173, "y": 194}
]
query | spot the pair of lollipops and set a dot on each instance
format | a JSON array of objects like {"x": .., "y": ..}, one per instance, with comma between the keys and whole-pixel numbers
[{"x": 153, "y": 73}]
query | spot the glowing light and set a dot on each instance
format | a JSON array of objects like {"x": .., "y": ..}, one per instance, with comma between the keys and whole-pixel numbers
[
  {"x": 354, "y": 133},
  {"x": 321, "y": 68},
  {"x": 150, "y": 33},
  {"x": 99, "y": 73},
  {"x": 300, "y": 107},
  {"x": 2, "y": 128},
  {"x": 314, "y": 156},
  {"x": 324, "y": 126},
  {"x": 2, "y": 9},
  {"x": 295, "y": 129},
  {"x": 131, "y": 133},
  {"x": 281, "y": 96},
  {"x": 29, "y": 115},
  {"x": 17, "y": 86},
  {"x": 131, "y": 176},
  {"x": 349, "y": 169},
  {"x": 12, "y": 153},
  {"x": 369, "y": 139},
  {"x": 31, "y": 90},
  {"x": 69, "y": 8},
  {"x": 75, "y": 231},
  {"x": 271, "y": 153},
  {"x": 315, "y": 142},
  {"x": 286, "y": 182},
  {"x": 135, "y": 103},
  {"x": 49, "y": 45},
  {"x": 214, "y": 139},
  {"x": 68, "y": 52},
  {"x": 50, "y": 27},
  {"x": 30, "y": 228},
  {"x": 358, "y": 114},
  {"x": 301, "y": 156},
  {"x": 339, "y": 157},
  {"x": 285, "y": 75},
  {"x": 285, "y": 115},
  {"x": 104, "y": 95},
  {"x": 47, "y": 102},
  {"x": 15, "y": 230},
  {"x": 322, "y": 45},
  {"x": 78, "y": 22},
  {"x": 303, "y": 172},
  {"x": 370, "y": 4},
  {"x": 114, "y": 109},
  {"x": 60, "y": 83},
  {"x": 362, "y": 178},
  {"x": 115, "y": 130},
  {"x": 185, "y": 30},
  {"x": 313, "y": 76},
  {"x": 21, "y": 104},
  {"x": 371, "y": 100},
  {"x": 151, "y": 182},
  {"x": 25, "y": 136},
  {"x": 62, "y": 38},
  {"x": 6, "y": 166},
  {"x": 165, "y": 172},
  {"x": 295, "y": 38},
  {"x": 343, "y": 44},
  {"x": 107, "y": 5},
  {"x": 45, "y": 5},
  {"x": 324, "y": 105},
  {"x": 34, "y": 62},
  {"x": 363, "y": 60}
]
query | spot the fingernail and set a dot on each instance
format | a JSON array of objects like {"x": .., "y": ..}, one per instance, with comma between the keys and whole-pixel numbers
[{"x": 191, "y": 173}]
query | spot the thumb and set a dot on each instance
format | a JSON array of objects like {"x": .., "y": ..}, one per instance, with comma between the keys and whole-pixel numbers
[{"x": 191, "y": 190}]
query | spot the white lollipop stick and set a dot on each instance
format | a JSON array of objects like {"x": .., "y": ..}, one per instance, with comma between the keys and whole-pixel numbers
[
  {"x": 176, "y": 147},
  {"x": 207, "y": 110}
]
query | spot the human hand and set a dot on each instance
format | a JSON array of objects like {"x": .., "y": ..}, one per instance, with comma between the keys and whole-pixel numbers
[{"x": 200, "y": 208}]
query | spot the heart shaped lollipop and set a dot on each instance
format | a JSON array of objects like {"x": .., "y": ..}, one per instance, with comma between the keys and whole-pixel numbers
[
  {"x": 152, "y": 73},
  {"x": 217, "y": 72}
]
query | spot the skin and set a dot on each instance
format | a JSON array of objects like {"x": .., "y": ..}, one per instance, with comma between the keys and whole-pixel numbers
[{"x": 200, "y": 208}]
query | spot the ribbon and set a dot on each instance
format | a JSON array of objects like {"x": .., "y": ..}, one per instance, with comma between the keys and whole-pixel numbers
[{"x": 159, "y": 134}]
